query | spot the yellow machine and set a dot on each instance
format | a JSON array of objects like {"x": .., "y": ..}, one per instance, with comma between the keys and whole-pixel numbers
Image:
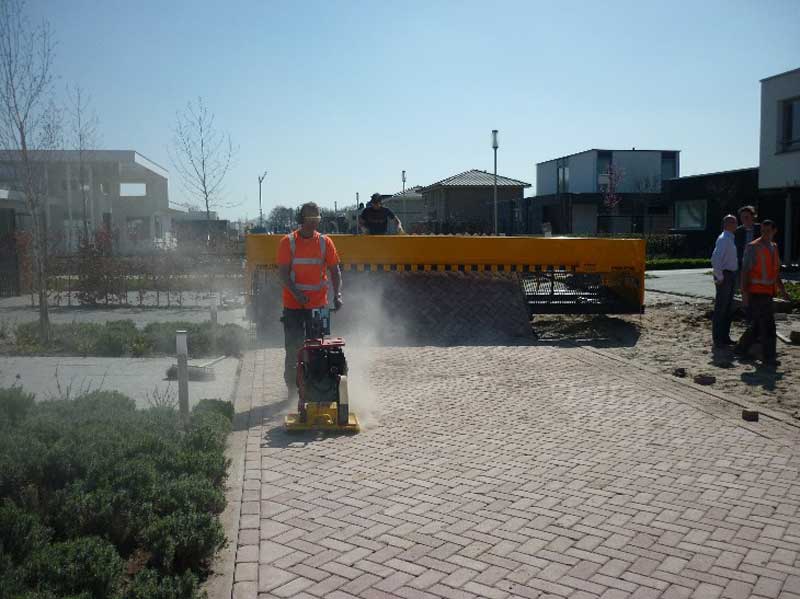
[{"x": 449, "y": 286}]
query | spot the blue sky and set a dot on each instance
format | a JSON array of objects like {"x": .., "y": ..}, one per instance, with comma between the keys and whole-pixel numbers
[{"x": 338, "y": 97}]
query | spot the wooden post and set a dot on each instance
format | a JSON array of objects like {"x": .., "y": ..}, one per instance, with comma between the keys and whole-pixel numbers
[{"x": 183, "y": 375}]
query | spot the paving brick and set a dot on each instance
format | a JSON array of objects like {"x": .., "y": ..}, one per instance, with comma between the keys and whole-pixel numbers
[
  {"x": 707, "y": 591},
  {"x": 575, "y": 503}
]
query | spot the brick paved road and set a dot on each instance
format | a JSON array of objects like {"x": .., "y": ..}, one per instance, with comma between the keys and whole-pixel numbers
[{"x": 517, "y": 472}]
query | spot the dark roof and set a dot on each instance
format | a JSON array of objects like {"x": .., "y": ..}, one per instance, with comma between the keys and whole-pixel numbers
[
  {"x": 730, "y": 172},
  {"x": 409, "y": 193},
  {"x": 477, "y": 178},
  {"x": 604, "y": 150},
  {"x": 780, "y": 75}
]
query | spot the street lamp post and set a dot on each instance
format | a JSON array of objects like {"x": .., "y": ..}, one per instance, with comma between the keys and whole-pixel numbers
[
  {"x": 494, "y": 147},
  {"x": 260, "y": 213},
  {"x": 404, "y": 195}
]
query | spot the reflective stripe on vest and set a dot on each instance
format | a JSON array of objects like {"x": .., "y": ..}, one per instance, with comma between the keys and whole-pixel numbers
[
  {"x": 321, "y": 261},
  {"x": 764, "y": 272}
]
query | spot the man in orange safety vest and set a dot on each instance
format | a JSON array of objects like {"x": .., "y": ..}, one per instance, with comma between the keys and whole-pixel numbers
[
  {"x": 305, "y": 257},
  {"x": 760, "y": 283}
]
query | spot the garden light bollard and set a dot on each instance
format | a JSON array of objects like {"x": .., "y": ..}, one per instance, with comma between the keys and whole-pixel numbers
[{"x": 183, "y": 374}]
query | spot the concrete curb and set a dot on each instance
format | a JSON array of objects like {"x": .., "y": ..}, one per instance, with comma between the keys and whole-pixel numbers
[{"x": 220, "y": 584}]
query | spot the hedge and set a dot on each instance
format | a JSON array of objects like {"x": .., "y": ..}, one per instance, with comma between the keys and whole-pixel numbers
[
  {"x": 101, "y": 500},
  {"x": 122, "y": 338},
  {"x": 677, "y": 263}
]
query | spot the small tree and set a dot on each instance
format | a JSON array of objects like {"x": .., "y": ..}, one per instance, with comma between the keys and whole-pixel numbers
[
  {"x": 83, "y": 136},
  {"x": 611, "y": 198},
  {"x": 202, "y": 155},
  {"x": 29, "y": 121}
]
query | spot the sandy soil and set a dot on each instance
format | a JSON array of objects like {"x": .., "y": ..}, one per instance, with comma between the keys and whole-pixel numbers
[{"x": 675, "y": 332}]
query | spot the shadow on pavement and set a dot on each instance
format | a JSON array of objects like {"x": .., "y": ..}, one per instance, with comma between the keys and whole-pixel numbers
[
  {"x": 254, "y": 417},
  {"x": 762, "y": 377},
  {"x": 599, "y": 331},
  {"x": 278, "y": 437}
]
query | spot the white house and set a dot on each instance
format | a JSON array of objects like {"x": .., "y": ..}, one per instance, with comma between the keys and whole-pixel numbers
[
  {"x": 570, "y": 190},
  {"x": 779, "y": 164}
]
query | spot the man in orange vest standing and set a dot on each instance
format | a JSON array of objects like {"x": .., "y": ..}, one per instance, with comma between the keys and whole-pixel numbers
[
  {"x": 305, "y": 257},
  {"x": 761, "y": 281}
]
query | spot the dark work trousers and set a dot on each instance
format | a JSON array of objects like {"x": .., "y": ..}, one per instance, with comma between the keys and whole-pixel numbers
[
  {"x": 723, "y": 307},
  {"x": 296, "y": 323},
  {"x": 761, "y": 327},
  {"x": 737, "y": 288}
]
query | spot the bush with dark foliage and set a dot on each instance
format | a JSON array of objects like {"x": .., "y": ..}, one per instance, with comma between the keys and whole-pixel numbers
[{"x": 101, "y": 500}]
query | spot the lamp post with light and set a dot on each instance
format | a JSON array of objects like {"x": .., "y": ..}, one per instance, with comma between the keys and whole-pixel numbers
[
  {"x": 260, "y": 213},
  {"x": 494, "y": 147}
]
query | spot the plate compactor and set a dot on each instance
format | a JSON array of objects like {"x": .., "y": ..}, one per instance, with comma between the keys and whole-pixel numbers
[{"x": 323, "y": 403}]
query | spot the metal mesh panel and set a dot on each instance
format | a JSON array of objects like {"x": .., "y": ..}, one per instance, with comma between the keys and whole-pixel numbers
[{"x": 565, "y": 292}]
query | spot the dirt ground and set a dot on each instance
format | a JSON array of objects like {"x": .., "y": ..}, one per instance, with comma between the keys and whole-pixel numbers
[{"x": 675, "y": 332}]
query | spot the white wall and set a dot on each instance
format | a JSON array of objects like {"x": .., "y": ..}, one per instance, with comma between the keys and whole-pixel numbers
[
  {"x": 637, "y": 165},
  {"x": 777, "y": 169}
]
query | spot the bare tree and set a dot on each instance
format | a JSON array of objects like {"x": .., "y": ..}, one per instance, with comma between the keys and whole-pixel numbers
[
  {"x": 29, "y": 122},
  {"x": 83, "y": 136},
  {"x": 202, "y": 156}
]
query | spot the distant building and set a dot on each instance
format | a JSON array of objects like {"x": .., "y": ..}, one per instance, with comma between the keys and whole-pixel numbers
[
  {"x": 409, "y": 207},
  {"x": 571, "y": 191},
  {"x": 779, "y": 159},
  {"x": 122, "y": 191},
  {"x": 465, "y": 203},
  {"x": 698, "y": 203}
]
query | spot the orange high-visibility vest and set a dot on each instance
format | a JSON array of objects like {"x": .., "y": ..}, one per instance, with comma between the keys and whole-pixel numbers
[{"x": 764, "y": 272}]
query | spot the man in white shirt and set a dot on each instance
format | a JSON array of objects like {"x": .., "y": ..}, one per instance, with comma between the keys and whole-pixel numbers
[{"x": 724, "y": 263}]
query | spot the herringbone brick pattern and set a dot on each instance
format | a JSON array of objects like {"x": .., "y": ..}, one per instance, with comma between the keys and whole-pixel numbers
[{"x": 517, "y": 472}]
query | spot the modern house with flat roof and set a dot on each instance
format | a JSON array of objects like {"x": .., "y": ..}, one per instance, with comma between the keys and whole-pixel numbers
[
  {"x": 572, "y": 191},
  {"x": 779, "y": 159},
  {"x": 117, "y": 189}
]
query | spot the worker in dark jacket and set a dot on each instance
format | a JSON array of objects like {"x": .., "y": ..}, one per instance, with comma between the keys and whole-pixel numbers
[{"x": 746, "y": 232}]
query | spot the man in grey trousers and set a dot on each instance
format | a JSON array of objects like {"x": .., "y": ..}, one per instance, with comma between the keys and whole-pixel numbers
[{"x": 724, "y": 264}]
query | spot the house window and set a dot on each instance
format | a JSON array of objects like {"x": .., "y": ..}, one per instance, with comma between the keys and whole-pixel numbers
[
  {"x": 690, "y": 214},
  {"x": 563, "y": 179},
  {"x": 790, "y": 126},
  {"x": 132, "y": 189},
  {"x": 669, "y": 165}
]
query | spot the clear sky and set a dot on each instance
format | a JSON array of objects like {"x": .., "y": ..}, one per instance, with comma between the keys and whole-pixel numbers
[{"x": 338, "y": 97}]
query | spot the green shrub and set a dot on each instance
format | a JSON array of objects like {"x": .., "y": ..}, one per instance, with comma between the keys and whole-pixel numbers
[
  {"x": 217, "y": 406},
  {"x": 183, "y": 540},
  {"x": 87, "y": 566},
  {"x": 677, "y": 263},
  {"x": 231, "y": 339},
  {"x": 15, "y": 405},
  {"x": 793, "y": 289},
  {"x": 86, "y": 484},
  {"x": 21, "y": 533},
  {"x": 149, "y": 584}
]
